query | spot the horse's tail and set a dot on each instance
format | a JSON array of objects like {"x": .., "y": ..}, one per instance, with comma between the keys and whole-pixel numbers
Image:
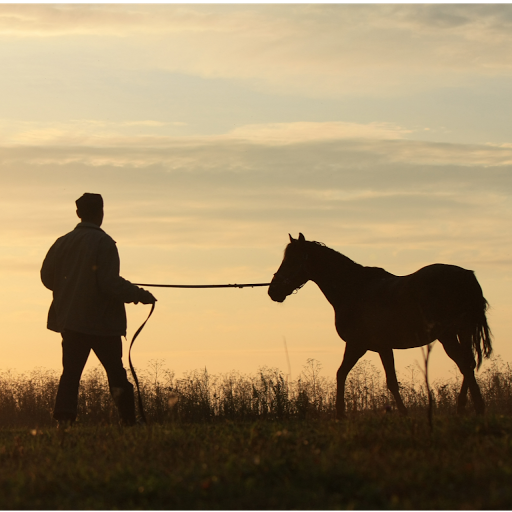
[
  {"x": 481, "y": 336},
  {"x": 478, "y": 332}
]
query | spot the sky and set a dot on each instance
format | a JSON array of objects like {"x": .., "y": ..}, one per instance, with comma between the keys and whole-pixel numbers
[{"x": 213, "y": 131}]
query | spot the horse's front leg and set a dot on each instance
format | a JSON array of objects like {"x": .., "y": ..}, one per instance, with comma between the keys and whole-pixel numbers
[{"x": 353, "y": 353}]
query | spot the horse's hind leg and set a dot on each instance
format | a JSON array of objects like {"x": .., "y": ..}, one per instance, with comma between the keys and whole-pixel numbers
[
  {"x": 463, "y": 357},
  {"x": 463, "y": 396},
  {"x": 352, "y": 354},
  {"x": 388, "y": 361}
]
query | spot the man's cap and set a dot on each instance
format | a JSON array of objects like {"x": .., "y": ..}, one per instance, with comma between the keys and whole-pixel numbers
[{"x": 89, "y": 202}]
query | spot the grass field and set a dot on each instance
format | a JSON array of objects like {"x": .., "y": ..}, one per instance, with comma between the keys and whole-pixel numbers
[
  {"x": 256, "y": 442},
  {"x": 368, "y": 462}
]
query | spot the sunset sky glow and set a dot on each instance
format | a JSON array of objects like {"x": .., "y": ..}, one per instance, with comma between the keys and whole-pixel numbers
[{"x": 213, "y": 131}]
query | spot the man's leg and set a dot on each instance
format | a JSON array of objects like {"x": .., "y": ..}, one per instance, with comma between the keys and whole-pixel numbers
[
  {"x": 75, "y": 351},
  {"x": 109, "y": 350}
]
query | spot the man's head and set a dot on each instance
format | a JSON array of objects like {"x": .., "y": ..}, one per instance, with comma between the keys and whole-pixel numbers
[{"x": 89, "y": 208}]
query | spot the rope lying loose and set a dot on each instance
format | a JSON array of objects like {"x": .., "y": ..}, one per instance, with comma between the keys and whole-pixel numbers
[
  {"x": 141, "y": 408},
  {"x": 139, "y": 398}
]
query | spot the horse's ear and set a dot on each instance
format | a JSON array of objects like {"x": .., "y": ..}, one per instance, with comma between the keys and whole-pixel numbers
[
  {"x": 301, "y": 238},
  {"x": 291, "y": 238}
]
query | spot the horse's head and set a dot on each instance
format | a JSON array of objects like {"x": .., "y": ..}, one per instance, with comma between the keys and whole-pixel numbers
[{"x": 293, "y": 272}]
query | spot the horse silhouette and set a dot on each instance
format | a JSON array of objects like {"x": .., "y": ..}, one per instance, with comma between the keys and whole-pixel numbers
[{"x": 378, "y": 311}]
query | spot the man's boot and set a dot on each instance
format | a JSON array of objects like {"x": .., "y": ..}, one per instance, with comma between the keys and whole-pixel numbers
[{"x": 124, "y": 399}]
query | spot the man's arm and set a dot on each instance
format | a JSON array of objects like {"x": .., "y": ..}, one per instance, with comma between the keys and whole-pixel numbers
[
  {"x": 111, "y": 283},
  {"x": 48, "y": 269}
]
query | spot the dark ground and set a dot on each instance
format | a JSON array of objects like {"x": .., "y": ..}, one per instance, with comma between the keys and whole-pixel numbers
[{"x": 371, "y": 461}]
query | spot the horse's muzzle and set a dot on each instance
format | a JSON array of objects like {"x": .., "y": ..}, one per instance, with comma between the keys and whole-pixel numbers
[
  {"x": 275, "y": 294},
  {"x": 276, "y": 298}
]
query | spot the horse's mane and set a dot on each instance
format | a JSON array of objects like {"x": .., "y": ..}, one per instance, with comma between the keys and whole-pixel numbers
[
  {"x": 340, "y": 260},
  {"x": 336, "y": 256}
]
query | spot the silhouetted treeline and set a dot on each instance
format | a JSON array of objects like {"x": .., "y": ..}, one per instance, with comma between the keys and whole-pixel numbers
[{"x": 27, "y": 399}]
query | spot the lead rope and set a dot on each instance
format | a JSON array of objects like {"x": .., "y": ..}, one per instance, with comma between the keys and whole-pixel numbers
[
  {"x": 139, "y": 398},
  {"x": 202, "y": 285}
]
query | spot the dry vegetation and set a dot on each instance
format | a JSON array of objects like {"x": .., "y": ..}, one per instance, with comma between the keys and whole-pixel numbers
[{"x": 27, "y": 400}]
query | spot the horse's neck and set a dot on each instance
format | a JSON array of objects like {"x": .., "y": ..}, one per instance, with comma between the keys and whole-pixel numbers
[{"x": 335, "y": 274}]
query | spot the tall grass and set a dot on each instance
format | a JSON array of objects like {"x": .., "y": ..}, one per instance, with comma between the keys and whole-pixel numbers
[{"x": 197, "y": 396}]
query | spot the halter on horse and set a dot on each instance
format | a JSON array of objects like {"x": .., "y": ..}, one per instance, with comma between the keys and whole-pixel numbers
[{"x": 378, "y": 311}]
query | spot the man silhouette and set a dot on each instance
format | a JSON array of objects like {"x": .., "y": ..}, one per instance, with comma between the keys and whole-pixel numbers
[{"x": 82, "y": 270}]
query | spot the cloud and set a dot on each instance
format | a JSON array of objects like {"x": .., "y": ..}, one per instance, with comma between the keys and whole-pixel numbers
[
  {"x": 290, "y": 133},
  {"x": 34, "y": 20},
  {"x": 146, "y": 143},
  {"x": 289, "y": 49},
  {"x": 225, "y": 191},
  {"x": 270, "y": 22},
  {"x": 472, "y": 21},
  {"x": 79, "y": 132},
  {"x": 156, "y": 134}
]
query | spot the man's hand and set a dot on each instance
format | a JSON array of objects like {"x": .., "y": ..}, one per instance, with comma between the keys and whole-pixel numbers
[{"x": 146, "y": 297}]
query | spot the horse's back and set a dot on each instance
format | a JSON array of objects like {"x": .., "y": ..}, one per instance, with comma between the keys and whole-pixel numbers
[
  {"x": 411, "y": 310},
  {"x": 444, "y": 289},
  {"x": 438, "y": 271},
  {"x": 447, "y": 295}
]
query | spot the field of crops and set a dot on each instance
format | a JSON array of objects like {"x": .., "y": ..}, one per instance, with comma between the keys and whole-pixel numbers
[{"x": 256, "y": 442}]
